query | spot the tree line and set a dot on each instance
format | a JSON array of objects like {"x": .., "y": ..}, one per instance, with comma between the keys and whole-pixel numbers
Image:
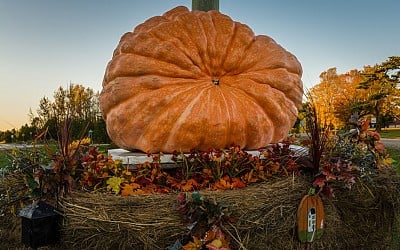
[
  {"x": 76, "y": 103},
  {"x": 373, "y": 92}
]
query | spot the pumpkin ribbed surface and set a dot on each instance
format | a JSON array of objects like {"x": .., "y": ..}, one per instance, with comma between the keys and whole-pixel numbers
[{"x": 198, "y": 79}]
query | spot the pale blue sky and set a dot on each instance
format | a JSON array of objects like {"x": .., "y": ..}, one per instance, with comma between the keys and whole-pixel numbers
[{"x": 45, "y": 44}]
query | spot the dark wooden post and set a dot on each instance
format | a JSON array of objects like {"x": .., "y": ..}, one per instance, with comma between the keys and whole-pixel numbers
[{"x": 205, "y": 5}]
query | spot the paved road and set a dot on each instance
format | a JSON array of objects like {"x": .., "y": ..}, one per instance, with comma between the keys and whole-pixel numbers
[
  {"x": 13, "y": 145},
  {"x": 391, "y": 143}
]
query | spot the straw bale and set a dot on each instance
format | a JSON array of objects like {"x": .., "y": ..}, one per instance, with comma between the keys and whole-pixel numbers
[
  {"x": 265, "y": 217},
  {"x": 365, "y": 217}
]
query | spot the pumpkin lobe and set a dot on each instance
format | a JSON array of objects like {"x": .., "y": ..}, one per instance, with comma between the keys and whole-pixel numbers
[{"x": 200, "y": 80}]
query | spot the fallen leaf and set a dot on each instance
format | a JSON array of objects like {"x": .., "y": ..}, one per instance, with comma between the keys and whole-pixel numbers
[
  {"x": 130, "y": 189},
  {"x": 193, "y": 245},
  {"x": 237, "y": 183}
]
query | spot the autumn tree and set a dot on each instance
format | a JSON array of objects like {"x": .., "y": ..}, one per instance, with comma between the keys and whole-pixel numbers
[
  {"x": 337, "y": 97},
  {"x": 381, "y": 83},
  {"x": 392, "y": 105},
  {"x": 373, "y": 91},
  {"x": 347, "y": 97},
  {"x": 323, "y": 96},
  {"x": 75, "y": 102},
  {"x": 60, "y": 105},
  {"x": 44, "y": 113},
  {"x": 82, "y": 102}
]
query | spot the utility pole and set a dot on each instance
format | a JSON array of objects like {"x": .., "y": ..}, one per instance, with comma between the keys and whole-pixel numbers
[{"x": 205, "y": 5}]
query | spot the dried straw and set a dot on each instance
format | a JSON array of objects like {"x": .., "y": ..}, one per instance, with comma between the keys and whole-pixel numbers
[
  {"x": 265, "y": 217},
  {"x": 364, "y": 217}
]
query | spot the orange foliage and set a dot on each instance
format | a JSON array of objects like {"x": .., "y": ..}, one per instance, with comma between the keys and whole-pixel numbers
[
  {"x": 215, "y": 169},
  {"x": 336, "y": 96}
]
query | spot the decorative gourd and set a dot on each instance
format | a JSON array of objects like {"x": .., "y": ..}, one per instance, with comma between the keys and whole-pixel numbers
[
  {"x": 310, "y": 218},
  {"x": 198, "y": 79}
]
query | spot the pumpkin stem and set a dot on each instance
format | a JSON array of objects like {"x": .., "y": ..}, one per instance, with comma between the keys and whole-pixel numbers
[
  {"x": 311, "y": 191},
  {"x": 215, "y": 81},
  {"x": 205, "y": 5}
]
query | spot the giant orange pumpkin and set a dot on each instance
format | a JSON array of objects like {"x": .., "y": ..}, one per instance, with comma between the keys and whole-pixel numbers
[{"x": 194, "y": 79}]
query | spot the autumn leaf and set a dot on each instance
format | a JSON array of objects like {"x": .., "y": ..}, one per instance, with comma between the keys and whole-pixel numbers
[
  {"x": 162, "y": 190},
  {"x": 215, "y": 244},
  {"x": 365, "y": 125},
  {"x": 275, "y": 167},
  {"x": 250, "y": 177},
  {"x": 140, "y": 191},
  {"x": 190, "y": 185},
  {"x": 182, "y": 198},
  {"x": 132, "y": 179},
  {"x": 237, "y": 183},
  {"x": 319, "y": 182},
  {"x": 174, "y": 182},
  {"x": 380, "y": 147},
  {"x": 216, "y": 239},
  {"x": 374, "y": 134},
  {"x": 130, "y": 189},
  {"x": 126, "y": 172},
  {"x": 186, "y": 187},
  {"x": 193, "y": 245},
  {"x": 388, "y": 161},
  {"x": 114, "y": 184},
  {"x": 223, "y": 184},
  {"x": 328, "y": 175},
  {"x": 306, "y": 143}
]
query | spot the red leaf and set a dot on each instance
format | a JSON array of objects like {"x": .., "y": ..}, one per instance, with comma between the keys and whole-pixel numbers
[
  {"x": 319, "y": 182},
  {"x": 365, "y": 125},
  {"x": 328, "y": 175},
  {"x": 237, "y": 183},
  {"x": 380, "y": 147}
]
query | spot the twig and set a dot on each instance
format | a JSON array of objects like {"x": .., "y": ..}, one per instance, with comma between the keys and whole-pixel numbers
[{"x": 238, "y": 240}]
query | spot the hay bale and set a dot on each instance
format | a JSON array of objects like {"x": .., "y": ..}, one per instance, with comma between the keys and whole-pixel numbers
[
  {"x": 367, "y": 214},
  {"x": 266, "y": 217},
  {"x": 265, "y": 213},
  {"x": 362, "y": 218},
  {"x": 99, "y": 220}
]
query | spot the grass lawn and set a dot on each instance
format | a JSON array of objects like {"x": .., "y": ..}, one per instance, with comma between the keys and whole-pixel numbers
[
  {"x": 395, "y": 155},
  {"x": 391, "y": 133},
  {"x": 386, "y": 133},
  {"x": 3, "y": 159}
]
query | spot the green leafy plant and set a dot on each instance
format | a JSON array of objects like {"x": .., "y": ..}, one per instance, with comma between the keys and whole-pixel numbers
[{"x": 19, "y": 184}]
